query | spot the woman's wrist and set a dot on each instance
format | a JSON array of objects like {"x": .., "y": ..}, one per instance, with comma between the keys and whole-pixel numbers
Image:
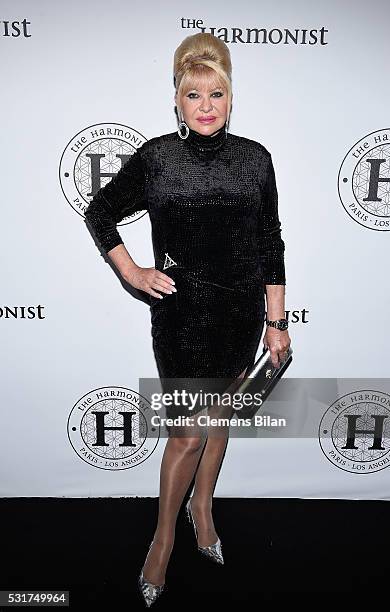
[
  {"x": 123, "y": 260},
  {"x": 280, "y": 324}
]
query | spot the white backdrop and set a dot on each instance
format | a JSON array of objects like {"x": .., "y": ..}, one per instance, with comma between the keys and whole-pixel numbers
[{"x": 69, "y": 327}]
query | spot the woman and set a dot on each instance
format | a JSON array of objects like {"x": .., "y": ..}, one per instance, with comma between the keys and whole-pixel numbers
[{"x": 213, "y": 206}]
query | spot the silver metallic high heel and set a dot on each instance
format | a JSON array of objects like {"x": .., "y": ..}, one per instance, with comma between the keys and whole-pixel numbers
[
  {"x": 214, "y": 551},
  {"x": 148, "y": 590}
]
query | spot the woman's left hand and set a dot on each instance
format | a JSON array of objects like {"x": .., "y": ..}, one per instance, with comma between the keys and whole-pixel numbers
[{"x": 278, "y": 341}]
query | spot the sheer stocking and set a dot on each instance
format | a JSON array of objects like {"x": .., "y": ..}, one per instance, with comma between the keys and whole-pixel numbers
[{"x": 180, "y": 461}]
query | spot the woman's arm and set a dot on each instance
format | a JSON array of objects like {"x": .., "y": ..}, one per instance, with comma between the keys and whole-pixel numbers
[
  {"x": 123, "y": 261},
  {"x": 272, "y": 248},
  {"x": 122, "y": 196},
  {"x": 275, "y": 295}
]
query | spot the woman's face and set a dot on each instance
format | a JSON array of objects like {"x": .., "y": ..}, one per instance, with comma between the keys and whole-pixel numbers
[{"x": 205, "y": 106}]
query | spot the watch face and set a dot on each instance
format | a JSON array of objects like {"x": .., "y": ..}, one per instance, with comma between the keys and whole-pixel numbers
[{"x": 281, "y": 324}]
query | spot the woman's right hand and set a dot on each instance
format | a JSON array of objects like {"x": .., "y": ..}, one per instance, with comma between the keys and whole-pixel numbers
[{"x": 150, "y": 280}]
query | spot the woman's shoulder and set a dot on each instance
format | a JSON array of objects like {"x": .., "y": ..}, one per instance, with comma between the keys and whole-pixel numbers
[
  {"x": 248, "y": 144},
  {"x": 241, "y": 144},
  {"x": 157, "y": 143}
]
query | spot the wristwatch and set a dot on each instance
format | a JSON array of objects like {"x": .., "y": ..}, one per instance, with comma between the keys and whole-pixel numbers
[{"x": 278, "y": 323}]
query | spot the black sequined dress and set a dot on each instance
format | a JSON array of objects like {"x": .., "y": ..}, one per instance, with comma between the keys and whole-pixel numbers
[{"x": 213, "y": 207}]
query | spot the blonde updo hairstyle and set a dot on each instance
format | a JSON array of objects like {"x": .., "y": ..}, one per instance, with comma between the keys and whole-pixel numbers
[{"x": 200, "y": 55}]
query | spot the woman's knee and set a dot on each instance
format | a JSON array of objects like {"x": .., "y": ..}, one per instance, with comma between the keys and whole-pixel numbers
[{"x": 188, "y": 444}]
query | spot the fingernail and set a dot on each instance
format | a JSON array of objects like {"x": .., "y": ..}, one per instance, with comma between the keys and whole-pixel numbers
[
  {"x": 173, "y": 282},
  {"x": 174, "y": 289}
]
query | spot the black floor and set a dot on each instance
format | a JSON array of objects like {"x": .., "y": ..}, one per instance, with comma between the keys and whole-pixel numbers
[{"x": 275, "y": 550}]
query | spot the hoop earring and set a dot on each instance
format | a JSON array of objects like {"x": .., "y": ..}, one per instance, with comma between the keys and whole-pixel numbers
[{"x": 181, "y": 125}]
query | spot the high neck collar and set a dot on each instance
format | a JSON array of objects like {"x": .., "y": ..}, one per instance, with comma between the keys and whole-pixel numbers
[{"x": 206, "y": 145}]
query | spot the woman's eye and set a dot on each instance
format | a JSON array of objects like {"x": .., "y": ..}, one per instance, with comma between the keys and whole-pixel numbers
[{"x": 216, "y": 93}]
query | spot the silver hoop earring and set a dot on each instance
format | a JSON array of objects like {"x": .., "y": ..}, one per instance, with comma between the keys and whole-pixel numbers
[{"x": 181, "y": 125}]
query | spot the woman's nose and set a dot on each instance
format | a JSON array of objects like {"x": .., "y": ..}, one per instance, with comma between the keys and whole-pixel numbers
[{"x": 206, "y": 106}]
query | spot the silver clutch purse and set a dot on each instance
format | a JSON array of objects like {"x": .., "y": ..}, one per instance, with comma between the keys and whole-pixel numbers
[{"x": 261, "y": 379}]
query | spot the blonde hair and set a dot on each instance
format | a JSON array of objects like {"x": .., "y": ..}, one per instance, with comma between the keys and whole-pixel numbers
[{"x": 201, "y": 55}]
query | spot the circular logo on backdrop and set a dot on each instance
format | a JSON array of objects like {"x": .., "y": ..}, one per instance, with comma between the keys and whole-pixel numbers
[
  {"x": 354, "y": 432},
  {"x": 110, "y": 428},
  {"x": 92, "y": 158},
  {"x": 364, "y": 181}
]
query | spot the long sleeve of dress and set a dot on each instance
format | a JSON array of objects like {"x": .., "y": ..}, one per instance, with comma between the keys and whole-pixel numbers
[
  {"x": 122, "y": 196},
  {"x": 272, "y": 246}
]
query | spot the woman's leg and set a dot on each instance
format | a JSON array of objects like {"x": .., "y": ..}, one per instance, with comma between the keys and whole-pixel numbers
[
  {"x": 178, "y": 465},
  {"x": 205, "y": 480}
]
